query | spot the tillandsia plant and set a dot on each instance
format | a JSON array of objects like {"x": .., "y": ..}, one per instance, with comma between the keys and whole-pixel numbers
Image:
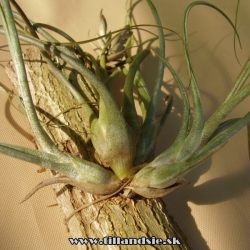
[{"x": 123, "y": 140}]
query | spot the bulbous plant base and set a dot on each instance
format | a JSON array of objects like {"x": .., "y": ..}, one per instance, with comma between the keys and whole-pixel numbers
[{"x": 66, "y": 124}]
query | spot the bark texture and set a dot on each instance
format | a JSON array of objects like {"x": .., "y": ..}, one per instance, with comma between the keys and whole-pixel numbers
[{"x": 64, "y": 121}]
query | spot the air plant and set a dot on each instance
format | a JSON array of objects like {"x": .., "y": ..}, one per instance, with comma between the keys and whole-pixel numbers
[{"x": 123, "y": 141}]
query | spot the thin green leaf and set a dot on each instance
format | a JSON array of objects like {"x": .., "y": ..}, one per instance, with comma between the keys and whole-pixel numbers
[
  {"x": 221, "y": 138},
  {"x": 87, "y": 109},
  {"x": 170, "y": 154},
  {"x": 163, "y": 117},
  {"x": 224, "y": 126},
  {"x": 143, "y": 94},
  {"x": 75, "y": 168},
  {"x": 235, "y": 25},
  {"x": 144, "y": 98},
  {"x": 16, "y": 53},
  {"x": 149, "y": 129},
  {"x": 128, "y": 106},
  {"x": 40, "y": 158},
  {"x": 152, "y": 105},
  {"x": 214, "y": 121},
  {"x": 128, "y": 18},
  {"x": 240, "y": 81},
  {"x": 146, "y": 143}
]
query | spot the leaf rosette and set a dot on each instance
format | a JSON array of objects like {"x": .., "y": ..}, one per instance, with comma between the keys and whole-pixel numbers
[{"x": 123, "y": 140}]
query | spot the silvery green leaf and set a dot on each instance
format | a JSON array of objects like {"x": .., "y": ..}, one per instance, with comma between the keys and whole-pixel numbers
[
  {"x": 171, "y": 153},
  {"x": 223, "y": 136},
  {"x": 151, "y": 112},
  {"x": 128, "y": 106},
  {"x": 82, "y": 173},
  {"x": 214, "y": 121},
  {"x": 159, "y": 192}
]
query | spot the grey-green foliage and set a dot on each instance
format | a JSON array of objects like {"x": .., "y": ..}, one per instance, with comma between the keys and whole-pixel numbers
[{"x": 123, "y": 141}]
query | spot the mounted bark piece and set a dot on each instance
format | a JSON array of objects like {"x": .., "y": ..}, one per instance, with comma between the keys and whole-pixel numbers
[{"x": 66, "y": 124}]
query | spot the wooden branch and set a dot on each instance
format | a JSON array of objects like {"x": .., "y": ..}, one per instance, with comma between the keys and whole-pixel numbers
[{"x": 64, "y": 121}]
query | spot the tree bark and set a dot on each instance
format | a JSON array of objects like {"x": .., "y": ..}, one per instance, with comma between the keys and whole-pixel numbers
[{"x": 65, "y": 123}]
